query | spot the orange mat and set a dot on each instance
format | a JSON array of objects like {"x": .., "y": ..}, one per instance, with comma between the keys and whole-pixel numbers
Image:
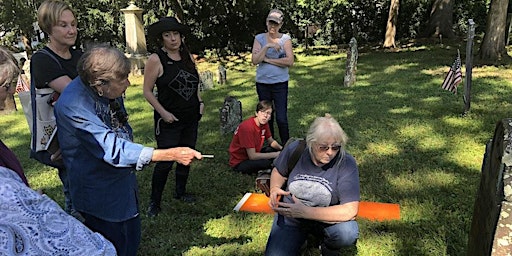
[{"x": 258, "y": 203}]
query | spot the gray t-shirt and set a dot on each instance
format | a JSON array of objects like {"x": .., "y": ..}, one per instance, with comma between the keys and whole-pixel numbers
[{"x": 334, "y": 183}]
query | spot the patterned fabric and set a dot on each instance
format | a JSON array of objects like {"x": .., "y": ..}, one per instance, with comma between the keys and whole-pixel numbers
[{"x": 33, "y": 224}]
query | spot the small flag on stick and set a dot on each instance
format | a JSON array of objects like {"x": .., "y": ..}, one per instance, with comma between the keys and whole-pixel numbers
[{"x": 454, "y": 76}]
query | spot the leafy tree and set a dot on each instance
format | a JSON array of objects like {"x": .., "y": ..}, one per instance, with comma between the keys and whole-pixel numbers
[
  {"x": 16, "y": 19},
  {"x": 100, "y": 21}
]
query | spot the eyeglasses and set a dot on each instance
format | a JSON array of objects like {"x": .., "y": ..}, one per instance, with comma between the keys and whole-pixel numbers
[
  {"x": 324, "y": 148},
  {"x": 266, "y": 113}
]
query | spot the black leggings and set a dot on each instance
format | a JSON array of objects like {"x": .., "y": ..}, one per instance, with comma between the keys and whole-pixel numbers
[{"x": 176, "y": 134}]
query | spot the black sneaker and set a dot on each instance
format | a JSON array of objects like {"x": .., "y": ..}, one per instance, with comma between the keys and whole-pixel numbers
[
  {"x": 153, "y": 210},
  {"x": 187, "y": 198}
]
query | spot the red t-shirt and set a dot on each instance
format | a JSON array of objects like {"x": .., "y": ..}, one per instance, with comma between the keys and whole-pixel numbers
[{"x": 247, "y": 135}]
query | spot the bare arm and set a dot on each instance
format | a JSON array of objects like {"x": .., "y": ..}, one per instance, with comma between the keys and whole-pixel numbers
[
  {"x": 286, "y": 61},
  {"x": 258, "y": 53},
  {"x": 253, "y": 155},
  {"x": 331, "y": 214},
  {"x": 60, "y": 83},
  {"x": 274, "y": 144},
  {"x": 152, "y": 71},
  {"x": 201, "y": 103},
  {"x": 276, "y": 183}
]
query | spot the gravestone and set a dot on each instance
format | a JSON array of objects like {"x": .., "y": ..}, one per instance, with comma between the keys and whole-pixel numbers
[
  {"x": 491, "y": 227},
  {"x": 206, "y": 80},
  {"x": 135, "y": 39},
  {"x": 230, "y": 115},
  {"x": 351, "y": 65},
  {"x": 221, "y": 75},
  {"x": 10, "y": 104}
]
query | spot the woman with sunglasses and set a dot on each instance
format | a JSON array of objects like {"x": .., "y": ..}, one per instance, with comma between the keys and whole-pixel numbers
[
  {"x": 273, "y": 53},
  {"x": 319, "y": 197}
]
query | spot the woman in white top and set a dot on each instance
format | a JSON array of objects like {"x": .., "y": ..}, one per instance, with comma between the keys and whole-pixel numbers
[{"x": 273, "y": 53}]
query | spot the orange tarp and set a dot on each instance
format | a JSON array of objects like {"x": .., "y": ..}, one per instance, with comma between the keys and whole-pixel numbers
[{"x": 258, "y": 203}]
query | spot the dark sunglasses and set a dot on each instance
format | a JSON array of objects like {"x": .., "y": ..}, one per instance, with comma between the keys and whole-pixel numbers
[{"x": 323, "y": 148}]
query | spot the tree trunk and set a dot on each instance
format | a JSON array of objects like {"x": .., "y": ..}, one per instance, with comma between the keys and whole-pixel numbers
[
  {"x": 441, "y": 20},
  {"x": 177, "y": 7},
  {"x": 493, "y": 44},
  {"x": 389, "y": 40}
]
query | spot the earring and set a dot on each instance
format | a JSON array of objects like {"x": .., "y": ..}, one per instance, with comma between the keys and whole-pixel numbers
[{"x": 100, "y": 93}]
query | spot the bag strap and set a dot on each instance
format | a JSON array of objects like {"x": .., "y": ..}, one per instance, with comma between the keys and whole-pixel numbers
[
  {"x": 294, "y": 158},
  {"x": 33, "y": 97}
]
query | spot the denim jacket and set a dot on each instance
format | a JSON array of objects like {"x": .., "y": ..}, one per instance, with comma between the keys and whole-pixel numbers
[{"x": 98, "y": 153}]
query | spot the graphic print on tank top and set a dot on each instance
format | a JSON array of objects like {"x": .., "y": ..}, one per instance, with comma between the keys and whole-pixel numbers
[
  {"x": 184, "y": 84},
  {"x": 311, "y": 190}
]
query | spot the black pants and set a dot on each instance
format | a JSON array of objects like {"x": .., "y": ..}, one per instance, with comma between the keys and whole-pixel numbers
[
  {"x": 253, "y": 166},
  {"x": 176, "y": 134}
]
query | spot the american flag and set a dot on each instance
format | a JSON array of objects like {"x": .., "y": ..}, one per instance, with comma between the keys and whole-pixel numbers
[
  {"x": 454, "y": 76},
  {"x": 21, "y": 85}
]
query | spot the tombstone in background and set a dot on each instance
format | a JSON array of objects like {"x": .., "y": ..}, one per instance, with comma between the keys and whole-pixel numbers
[
  {"x": 491, "y": 227},
  {"x": 230, "y": 115},
  {"x": 206, "y": 80},
  {"x": 351, "y": 65},
  {"x": 135, "y": 39},
  {"x": 221, "y": 75},
  {"x": 10, "y": 104}
]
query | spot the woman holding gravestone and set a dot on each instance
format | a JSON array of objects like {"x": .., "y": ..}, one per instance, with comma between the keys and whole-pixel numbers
[
  {"x": 52, "y": 68},
  {"x": 273, "y": 53},
  {"x": 177, "y": 105}
]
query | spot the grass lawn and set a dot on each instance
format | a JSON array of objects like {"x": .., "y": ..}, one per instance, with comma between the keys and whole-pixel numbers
[{"x": 412, "y": 145}]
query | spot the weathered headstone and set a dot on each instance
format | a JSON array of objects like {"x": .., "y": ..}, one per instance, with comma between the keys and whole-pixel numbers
[
  {"x": 230, "y": 115},
  {"x": 351, "y": 65},
  {"x": 10, "y": 104},
  {"x": 221, "y": 75},
  {"x": 135, "y": 39},
  {"x": 206, "y": 80},
  {"x": 491, "y": 227},
  {"x": 469, "y": 66}
]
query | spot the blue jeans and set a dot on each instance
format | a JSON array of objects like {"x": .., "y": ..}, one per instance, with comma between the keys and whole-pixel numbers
[
  {"x": 278, "y": 95},
  {"x": 288, "y": 235}
]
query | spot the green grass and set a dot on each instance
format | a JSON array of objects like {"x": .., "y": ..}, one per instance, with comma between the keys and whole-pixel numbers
[{"x": 412, "y": 145}]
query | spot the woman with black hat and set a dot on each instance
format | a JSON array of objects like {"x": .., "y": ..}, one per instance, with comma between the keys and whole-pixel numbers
[{"x": 177, "y": 105}]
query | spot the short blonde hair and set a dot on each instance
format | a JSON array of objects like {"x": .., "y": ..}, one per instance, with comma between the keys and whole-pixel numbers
[
  {"x": 102, "y": 64},
  {"x": 49, "y": 13},
  {"x": 326, "y": 127}
]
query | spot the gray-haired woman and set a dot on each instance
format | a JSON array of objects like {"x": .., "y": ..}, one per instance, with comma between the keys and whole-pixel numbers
[
  {"x": 320, "y": 195},
  {"x": 98, "y": 149}
]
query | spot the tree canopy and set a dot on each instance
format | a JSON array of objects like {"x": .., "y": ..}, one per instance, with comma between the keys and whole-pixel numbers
[{"x": 229, "y": 26}]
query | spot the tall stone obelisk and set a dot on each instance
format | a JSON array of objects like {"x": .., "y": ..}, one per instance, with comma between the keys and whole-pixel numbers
[{"x": 135, "y": 39}]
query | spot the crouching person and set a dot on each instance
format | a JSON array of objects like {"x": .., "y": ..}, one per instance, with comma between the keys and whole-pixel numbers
[{"x": 319, "y": 197}]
